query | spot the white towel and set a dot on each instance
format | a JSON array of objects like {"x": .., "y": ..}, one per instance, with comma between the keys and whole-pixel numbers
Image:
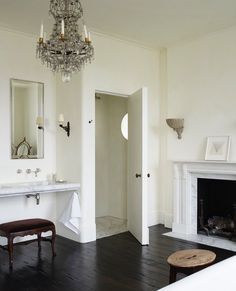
[{"x": 71, "y": 214}]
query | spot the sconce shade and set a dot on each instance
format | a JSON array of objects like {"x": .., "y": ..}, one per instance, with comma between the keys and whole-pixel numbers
[
  {"x": 61, "y": 118},
  {"x": 40, "y": 122},
  {"x": 177, "y": 124},
  {"x": 65, "y": 127}
]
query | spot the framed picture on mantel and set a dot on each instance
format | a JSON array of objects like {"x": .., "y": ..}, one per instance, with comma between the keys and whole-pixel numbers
[{"x": 217, "y": 148}]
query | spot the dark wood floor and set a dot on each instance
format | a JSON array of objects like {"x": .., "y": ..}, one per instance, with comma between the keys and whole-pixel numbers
[{"x": 114, "y": 263}]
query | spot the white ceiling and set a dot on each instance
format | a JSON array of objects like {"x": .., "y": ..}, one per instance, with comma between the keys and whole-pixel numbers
[{"x": 155, "y": 23}]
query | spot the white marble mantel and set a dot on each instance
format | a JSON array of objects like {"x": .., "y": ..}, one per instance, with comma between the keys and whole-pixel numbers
[
  {"x": 19, "y": 189},
  {"x": 185, "y": 176}
]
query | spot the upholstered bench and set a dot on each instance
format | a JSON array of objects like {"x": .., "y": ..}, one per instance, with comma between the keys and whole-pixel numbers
[{"x": 35, "y": 226}]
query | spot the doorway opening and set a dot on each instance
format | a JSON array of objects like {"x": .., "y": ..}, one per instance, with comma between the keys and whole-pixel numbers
[{"x": 111, "y": 165}]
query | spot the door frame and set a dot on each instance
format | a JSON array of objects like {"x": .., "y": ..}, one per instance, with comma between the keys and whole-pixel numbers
[
  {"x": 94, "y": 136},
  {"x": 88, "y": 167},
  {"x": 111, "y": 93}
]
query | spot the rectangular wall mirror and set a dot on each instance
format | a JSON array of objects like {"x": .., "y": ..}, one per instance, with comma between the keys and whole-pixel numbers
[{"x": 27, "y": 119}]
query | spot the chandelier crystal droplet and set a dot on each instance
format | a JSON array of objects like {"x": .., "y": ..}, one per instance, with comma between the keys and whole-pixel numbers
[{"x": 66, "y": 51}]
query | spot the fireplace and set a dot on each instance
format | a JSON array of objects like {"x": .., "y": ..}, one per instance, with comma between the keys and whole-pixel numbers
[
  {"x": 187, "y": 175},
  {"x": 185, "y": 190},
  {"x": 216, "y": 207}
]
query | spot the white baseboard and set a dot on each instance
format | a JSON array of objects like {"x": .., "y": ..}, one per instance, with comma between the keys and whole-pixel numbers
[
  {"x": 168, "y": 220},
  {"x": 63, "y": 231},
  {"x": 160, "y": 217},
  {"x": 87, "y": 232},
  {"x": 155, "y": 217},
  {"x": 184, "y": 229}
]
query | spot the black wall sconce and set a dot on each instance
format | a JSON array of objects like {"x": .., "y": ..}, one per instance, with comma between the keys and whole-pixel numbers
[{"x": 65, "y": 127}]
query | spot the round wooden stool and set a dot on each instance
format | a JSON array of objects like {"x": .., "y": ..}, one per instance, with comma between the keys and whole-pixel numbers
[{"x": 189, "y": 262}]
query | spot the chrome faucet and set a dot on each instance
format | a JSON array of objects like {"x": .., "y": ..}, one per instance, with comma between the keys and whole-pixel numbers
[{"x": 36, "y": 171}]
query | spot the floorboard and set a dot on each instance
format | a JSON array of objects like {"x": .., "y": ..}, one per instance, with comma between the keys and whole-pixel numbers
[{"x": 109, "y": 264}]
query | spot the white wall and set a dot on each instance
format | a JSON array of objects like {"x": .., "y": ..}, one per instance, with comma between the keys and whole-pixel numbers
[
  {"x": 201, "y": 89},
  {"x": 119, "y": 67},
  {"x": 198, "y": 84},
  {"x": 117, "y": 156},
  {"x": 111, "y": 157},
  {"x": 17, "y": 60},
  {"x": 68, "y": 150}
]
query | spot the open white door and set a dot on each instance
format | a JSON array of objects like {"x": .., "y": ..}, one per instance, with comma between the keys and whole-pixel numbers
[{"x": 137, "y": 166}]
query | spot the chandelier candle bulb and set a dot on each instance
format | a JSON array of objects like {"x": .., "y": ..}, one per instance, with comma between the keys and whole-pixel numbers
[
  {"x": 85, "y": 32},
  {"x": 89, "y": 37},
  {"x": 41, "y": 31},
  {"x": 62, "y": 27}
]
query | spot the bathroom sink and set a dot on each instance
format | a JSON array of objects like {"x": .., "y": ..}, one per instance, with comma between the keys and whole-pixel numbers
[
  {"x": 18, "y": 189},
  {"x": 24, "y": 184}
]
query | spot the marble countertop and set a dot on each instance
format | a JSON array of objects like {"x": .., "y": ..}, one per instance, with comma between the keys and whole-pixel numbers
[{"x": 17, "y": 189}]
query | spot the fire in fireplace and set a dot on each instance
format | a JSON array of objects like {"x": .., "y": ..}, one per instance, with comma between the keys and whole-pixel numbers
[{"x": 217, "y": 207}]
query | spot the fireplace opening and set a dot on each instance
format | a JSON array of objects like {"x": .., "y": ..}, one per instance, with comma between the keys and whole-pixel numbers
[{"x": 216, "y": 207}]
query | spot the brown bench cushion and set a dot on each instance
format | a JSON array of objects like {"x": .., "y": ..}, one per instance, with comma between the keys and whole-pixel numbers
[{"x": 23, "y": 225}]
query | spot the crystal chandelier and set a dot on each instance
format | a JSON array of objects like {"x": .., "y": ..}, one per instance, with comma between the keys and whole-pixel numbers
[{"x": 66, "y": 50}]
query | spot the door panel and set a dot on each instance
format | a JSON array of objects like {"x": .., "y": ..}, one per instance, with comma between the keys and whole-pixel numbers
[{"x": 137, "y": 166}]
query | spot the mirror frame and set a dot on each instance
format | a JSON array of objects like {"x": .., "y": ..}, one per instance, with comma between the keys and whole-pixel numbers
[{"x": 11, "y": 118}]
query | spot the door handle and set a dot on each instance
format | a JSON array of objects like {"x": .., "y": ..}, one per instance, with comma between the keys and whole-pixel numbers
[
  {"x": 138, "y": 175},
  {"x": 148, "y": 175}
]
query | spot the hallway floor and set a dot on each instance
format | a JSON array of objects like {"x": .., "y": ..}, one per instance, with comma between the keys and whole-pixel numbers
[{"x": 109, "y": 225}]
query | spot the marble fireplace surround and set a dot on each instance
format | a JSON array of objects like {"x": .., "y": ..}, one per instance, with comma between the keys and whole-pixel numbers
[{"x": 185, "y": 176}]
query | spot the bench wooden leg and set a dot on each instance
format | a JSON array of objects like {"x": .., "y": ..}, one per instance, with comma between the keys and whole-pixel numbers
[
  {"x": 53, "y": 241},
  {"x": 39, "y": 241},
  {"x": 10, "y": 251}
]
